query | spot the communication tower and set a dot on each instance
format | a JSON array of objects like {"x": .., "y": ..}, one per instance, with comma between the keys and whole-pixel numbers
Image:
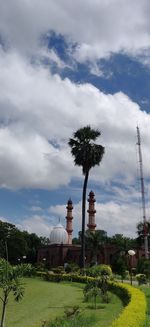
[{"x": 145, "y": 230}]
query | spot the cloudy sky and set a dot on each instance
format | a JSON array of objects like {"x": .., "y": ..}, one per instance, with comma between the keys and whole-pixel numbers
[{"x": 63, "y": 65}]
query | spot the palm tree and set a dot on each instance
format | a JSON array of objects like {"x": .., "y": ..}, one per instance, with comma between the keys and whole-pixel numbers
[
  {"x": 95, "y": 242},
  {"x": 86, "y": 154}
]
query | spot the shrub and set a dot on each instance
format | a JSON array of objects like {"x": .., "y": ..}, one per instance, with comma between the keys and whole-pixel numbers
[
  {"x": 99, "y": 270},
  {"x": 26, "y": 269},
  {"x": 141, "y": 278},
  {"x": 72, "y": 267},
  {"x": 58, "y": 270},
  {"x": 134, "y": 313},
  {"x": 77, "y": 321}
]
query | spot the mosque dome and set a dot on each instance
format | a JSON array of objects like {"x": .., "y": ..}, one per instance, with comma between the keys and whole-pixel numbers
[{"x": 59, "y": 235}]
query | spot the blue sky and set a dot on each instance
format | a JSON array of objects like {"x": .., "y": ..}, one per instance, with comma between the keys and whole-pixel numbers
[{"x": 64, "y": 65}]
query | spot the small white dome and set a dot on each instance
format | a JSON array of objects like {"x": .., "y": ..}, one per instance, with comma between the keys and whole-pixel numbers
[{"x": 58, "y": 235}]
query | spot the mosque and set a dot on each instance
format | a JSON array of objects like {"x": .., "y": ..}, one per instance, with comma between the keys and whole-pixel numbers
[{"x": 60, "y": 249}]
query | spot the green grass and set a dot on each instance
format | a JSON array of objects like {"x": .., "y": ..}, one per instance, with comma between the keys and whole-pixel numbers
[
  {"x": 45, "y": 301},
  {"x": 146, "y": 291}
]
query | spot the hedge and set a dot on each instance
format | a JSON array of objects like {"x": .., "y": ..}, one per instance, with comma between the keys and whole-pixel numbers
[{"x": 134, "y": 313}]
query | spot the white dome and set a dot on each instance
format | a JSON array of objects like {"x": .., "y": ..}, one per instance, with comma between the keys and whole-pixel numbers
[{"x": 58, "y": 235}]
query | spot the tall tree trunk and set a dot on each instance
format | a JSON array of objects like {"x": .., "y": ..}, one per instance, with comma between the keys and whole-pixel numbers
[
  {"x": 2, "y": 324},
  {"x": 83, "y": 220}
]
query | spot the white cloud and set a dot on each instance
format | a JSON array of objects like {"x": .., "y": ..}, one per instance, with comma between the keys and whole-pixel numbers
[
  {"x": 39, "y": 111},
  {"x": 36, "y": 209},
  {"x": 38, "y": 114},
  {"x": 36, "y": 224},
  {"x": 111, "y": 216},
  {"x": 98, "y": 27}
]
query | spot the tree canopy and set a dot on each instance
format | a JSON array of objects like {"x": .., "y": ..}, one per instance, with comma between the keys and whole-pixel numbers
[{"x": 87, "y": 154}]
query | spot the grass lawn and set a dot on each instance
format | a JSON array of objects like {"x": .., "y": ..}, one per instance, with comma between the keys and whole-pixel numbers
[
  {"x": 45, "y": 300},
  {"x": 146, "y": 290}
]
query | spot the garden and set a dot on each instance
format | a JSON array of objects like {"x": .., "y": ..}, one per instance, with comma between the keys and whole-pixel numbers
[{"x": 70, "y": 299}]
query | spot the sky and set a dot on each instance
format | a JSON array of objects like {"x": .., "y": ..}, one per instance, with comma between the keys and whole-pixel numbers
[{"x": 65, "y": 65}]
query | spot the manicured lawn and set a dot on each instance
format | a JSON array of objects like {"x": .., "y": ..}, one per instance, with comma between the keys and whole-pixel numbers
[
  {"x": 146, "y": 290},
  {"x": 44, "y": 301}
]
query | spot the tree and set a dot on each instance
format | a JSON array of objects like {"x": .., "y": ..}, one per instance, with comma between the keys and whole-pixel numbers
[
  {"x": 15, "y": 244},
  {"x": 10, "y": 282},
  {"x": 143, "y": 267},
  {"x": 141, "y": 232},
  {"x": 33, "y": 243},
  {"x": 119, "y": 266},
  {"x": 86, "y": 154},
  {"x": 92, "y": 290},
  {"x": 12, "y": 239},
  {"x": 95, "y": 242},
  {"x": 122, "y": 243}
]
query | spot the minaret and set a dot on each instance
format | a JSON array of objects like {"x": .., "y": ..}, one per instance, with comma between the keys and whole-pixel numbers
[
  {"x": 69, "y": 221},
  {"x": 91, "y": 211}
]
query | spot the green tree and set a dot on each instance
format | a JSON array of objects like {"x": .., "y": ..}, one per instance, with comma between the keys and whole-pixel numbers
[
  {"x": 141, "y": 232},
  {"x": 86, "y": 154},
  {"x": 10, "y": 282},
  {"x": 33, "y": 243},
  {"x": 143, "y": 267},
  {"x": 15, "y": 244},
  {"x": 95, "y": 242},
  {"x": 12, "y": 239},
  {"x": 92, "y": 290},
  {"x": 122, "y": 243},
  {"x": 119, "y": 266}
]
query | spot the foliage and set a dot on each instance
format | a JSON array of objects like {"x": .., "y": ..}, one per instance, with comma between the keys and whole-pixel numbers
[
  {"x": 10, "y": 282},
  {"x": 58, "y": 270},
  {"x": 26, "y": 269},
  {"x": 71, "y": 312},
  {"x": 143, "y": 267},
  {"x": 131, "y": 316},
  {"x": 11, "y": 239},
  {"x": 99, "y": 270},
  {"x": 141, "y": 278},
  {"x": 119, "y": 266},
  {"x": 94, "y": 242},
  {"x": 64, "y": 277},
  {"x": 44, "y": 300},
  {"x": 86, "y": 154},
  {"x": 122, "y": 243},
  {"x": 90, "y": 285},
  {"x": 18, "y": 244},
  {"x": 95, "y": 288},
  {"x": 72, "y": 268},
  {"x": 132, "y": 298},
  {"x": 140, "y": 231},
  {"x": 77, "y": 321}
]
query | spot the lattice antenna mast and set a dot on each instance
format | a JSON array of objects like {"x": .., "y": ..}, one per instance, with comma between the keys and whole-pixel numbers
[{"x": 142, "y": 194}]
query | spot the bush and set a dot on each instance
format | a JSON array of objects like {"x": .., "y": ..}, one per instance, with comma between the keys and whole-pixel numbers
[
  {"x": 134, "y": 313},
  {"x": 141, "y": 278},
  {"x": 26, "y": 269},
  {"x": 72, "y": 267},
  {"x": 66, "y": 277},
  {"x": 58, "y": 270},
  {"x": 77, "y": 321},
  {"x": 99, "y": 270}
]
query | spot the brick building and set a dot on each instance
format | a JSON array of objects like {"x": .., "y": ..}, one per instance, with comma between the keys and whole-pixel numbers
[{"x": 60, "y": 249}]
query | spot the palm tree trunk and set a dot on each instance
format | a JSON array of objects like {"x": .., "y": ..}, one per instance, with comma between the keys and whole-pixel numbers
[{"x": 83, "y": 220}]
